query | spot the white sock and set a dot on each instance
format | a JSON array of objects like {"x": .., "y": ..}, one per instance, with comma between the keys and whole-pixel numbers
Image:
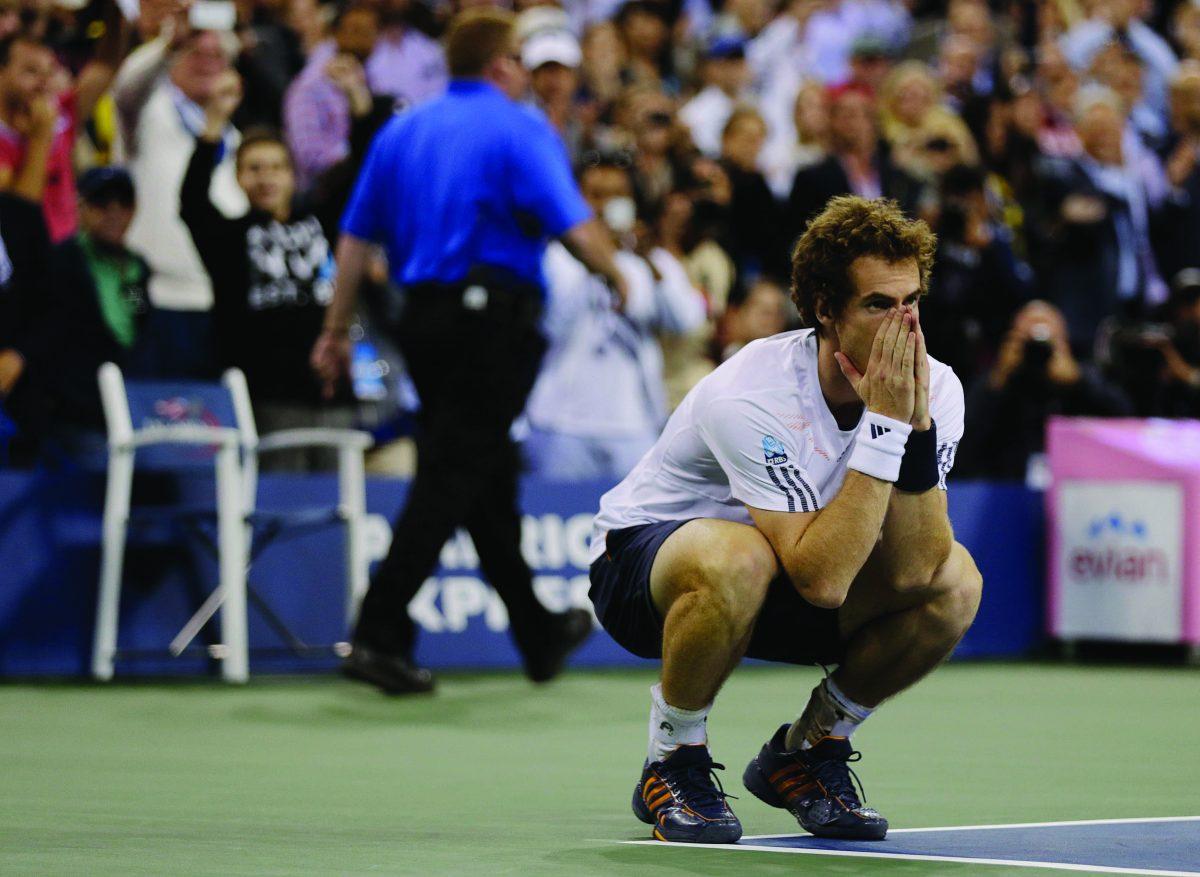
[
  {"x": 671, "y": 727},
  {"x": 830, "y": 713},
  {"x": 851, "y": 714}
]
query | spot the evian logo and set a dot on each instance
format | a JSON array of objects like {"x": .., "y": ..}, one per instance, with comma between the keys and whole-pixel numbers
[{"x": 1117, "y": 550}]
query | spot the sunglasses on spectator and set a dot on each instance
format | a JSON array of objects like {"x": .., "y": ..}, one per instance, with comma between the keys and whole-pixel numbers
[{"x": 659, "y": 119}]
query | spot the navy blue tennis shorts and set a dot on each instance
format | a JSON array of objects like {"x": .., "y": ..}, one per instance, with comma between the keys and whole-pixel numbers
[{"x": 789, "y": 629}]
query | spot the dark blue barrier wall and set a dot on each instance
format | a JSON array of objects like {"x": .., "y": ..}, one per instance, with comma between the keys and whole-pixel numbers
[{"x": 49, "y": 557}]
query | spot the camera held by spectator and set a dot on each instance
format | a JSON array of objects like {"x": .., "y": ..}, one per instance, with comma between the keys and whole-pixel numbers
[{"x": 1035, "y": 376}]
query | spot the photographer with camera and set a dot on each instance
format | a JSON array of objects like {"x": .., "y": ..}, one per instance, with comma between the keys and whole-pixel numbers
[
  {"x": 979, "y": 282},
  {"x": 1158, "y": 363},
  {"x": 1035, "y": 376}
]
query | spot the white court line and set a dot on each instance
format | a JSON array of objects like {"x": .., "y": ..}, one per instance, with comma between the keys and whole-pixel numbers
[
  {"x": 913, "y": 857},
  {"x": 1068, "y": 822}
]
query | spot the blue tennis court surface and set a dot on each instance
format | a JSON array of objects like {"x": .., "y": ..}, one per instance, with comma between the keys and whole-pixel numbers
[{"x": 1169, "y": 846}]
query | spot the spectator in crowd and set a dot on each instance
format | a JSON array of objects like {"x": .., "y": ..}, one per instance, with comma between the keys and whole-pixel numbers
[
  {"x": 757, "y": 238},
  {"x": 272, "y": 277},
  {"x": 799, "y": 142},
  {"x": 405, "y": 64},
  {"x": 726, "y": 77},
  {"x": 95, "y": 310},
  {"x": 160, "y": 93},
  {"x": 552, "y": 56},
  {"x": 858, "y": 163},
  {"x": 604, "y": 60},
  {"x": 1178, "y": 343},
  {"x": 271, "y": 55},
  {"x": 1010, "y": 153},
  {"x": 913, "y": 116},
  {"x": 24, "y": 261},
  {"x": 646, "y": 34},
  {"x": 326, "y": 98},
  {"x": 686, "y": 357},
  {"x": 1098, "y": 259},
  {"x": 1119, "y": 68},
  {"x": 1035, "y": 376},
  {"x": 652, "y": 127},
  {"x": 1059, "y": 85},
  {"x": 1119, "y": 21},
  {"x": 1185, "y": 30},
  {"x": 1156, "y": 361},
  {"x": 871, "y": 62},
  {"x": 978, "y": 281},
  {"x": 760, "y": 311},
  {"x": 40, "y": 120},
  {"x": 1179, "y": 229},
  {"x": 599, "y": 434},
  {"x": 781, "y": 64},
  {"x": 831, "y": 31}
]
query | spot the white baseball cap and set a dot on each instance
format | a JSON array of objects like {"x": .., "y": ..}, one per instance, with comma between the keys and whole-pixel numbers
[{"x": 551, "y": 46}]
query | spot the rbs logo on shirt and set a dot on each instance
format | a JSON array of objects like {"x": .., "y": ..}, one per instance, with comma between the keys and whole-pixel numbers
[{"x": 774, "y": 451}]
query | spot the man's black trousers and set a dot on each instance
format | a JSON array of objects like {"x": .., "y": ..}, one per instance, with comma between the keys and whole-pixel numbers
[{"x": 473, "y": 356}]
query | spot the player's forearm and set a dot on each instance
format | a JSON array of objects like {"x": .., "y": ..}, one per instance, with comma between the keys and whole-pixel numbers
[
  {"x": 917, "y": 537},
  {"x": 835, "y": 545},
  {"x": 351, "y": 256}
]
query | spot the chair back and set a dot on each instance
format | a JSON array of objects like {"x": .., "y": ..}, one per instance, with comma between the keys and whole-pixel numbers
[{"x": 135, "y": 407}]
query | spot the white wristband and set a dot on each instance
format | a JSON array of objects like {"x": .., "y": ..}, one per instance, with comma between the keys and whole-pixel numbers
[{"x": 879, "y": 446}]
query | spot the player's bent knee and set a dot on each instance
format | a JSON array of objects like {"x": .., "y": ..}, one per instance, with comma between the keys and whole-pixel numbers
[
  {"x": 730, "y": 567},
  {"x": 961, "y": 587}
]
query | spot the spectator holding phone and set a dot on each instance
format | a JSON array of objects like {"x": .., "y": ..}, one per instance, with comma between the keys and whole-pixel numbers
[{"x": 161, "y": 92}]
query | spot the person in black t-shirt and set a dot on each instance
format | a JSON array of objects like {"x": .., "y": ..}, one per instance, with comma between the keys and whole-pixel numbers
[{"x": 272, "y": 276}]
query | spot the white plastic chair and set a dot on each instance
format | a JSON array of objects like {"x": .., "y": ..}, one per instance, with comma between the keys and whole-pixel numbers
[{"x": 216, "y": 423}]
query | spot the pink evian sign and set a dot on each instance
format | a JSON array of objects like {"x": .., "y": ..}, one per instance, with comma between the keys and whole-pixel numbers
[{"x": 1124, "y": 530}]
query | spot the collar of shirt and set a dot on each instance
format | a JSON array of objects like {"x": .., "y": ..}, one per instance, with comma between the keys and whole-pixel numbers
[{"x": 472, "y": 86}]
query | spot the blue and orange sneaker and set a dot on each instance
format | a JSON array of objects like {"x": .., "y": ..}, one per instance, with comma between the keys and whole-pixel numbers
[
  {"x": 816, "y": 785},
  {"x": 679, "y": 797}
]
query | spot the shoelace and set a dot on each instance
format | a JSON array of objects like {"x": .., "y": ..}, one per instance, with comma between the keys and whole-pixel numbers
[
  {"x": 701, "y": 787},
  {"x": 839, "y": 779}
]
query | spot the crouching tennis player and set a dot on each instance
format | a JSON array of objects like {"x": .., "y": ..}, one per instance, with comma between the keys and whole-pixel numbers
[{"x": 794, "y": 510}]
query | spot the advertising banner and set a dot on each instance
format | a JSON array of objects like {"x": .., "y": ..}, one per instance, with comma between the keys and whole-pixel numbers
[{"x": 1119, "y": 560}]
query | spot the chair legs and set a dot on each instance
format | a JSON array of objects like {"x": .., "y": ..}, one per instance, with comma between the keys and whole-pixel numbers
[
  {"x": 116, "y": 519},
  {"x": 233, "y": 559},
  {"x": 353, "y": 501}
]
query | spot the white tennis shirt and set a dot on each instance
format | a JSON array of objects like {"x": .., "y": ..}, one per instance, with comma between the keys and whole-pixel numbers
[{"x": 757, "y": 432}]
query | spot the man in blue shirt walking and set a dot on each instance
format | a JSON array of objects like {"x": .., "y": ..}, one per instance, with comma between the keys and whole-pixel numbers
[{"x": 464, "y": 192}]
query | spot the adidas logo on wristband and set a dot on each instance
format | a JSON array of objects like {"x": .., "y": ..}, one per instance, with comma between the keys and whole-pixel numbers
[{"x": 879, "y": 447}]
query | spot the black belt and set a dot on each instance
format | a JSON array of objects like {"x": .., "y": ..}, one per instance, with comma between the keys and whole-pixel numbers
[{"x": 483, "y": 291}]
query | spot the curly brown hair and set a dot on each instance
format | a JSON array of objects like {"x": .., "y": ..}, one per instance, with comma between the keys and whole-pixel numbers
[{"x": 850, "y": 227}]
